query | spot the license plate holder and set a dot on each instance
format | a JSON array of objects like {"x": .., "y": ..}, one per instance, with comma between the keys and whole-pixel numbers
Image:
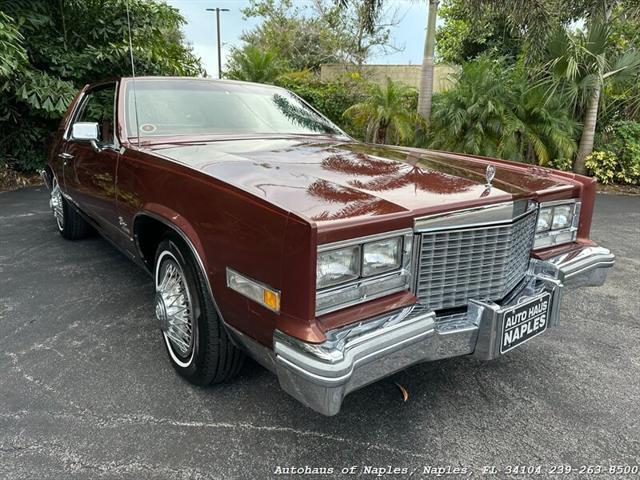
[{"x": 522, "y": 322}]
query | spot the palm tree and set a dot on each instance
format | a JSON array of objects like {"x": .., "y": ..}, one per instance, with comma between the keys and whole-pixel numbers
[
  {"x": 537, "y": 129},
  {"x": 371, "y": 8},
  {"x": 580, "y": 68},
  {"x": 253, "y": 65},
  {"x": 384, "y": 115},
  {"x": 492, "y": 110},
  {"x": 580, "y": 60},
  {"x": 470, "y": 116}
]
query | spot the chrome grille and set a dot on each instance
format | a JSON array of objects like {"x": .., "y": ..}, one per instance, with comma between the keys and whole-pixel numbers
[{"x": 482, "y": 263}]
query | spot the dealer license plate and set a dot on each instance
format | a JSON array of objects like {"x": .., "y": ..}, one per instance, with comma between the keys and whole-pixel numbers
[{"x": 524, "y": 321}]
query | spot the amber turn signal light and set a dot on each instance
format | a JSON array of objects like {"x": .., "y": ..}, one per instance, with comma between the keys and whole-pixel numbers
[
  {"x": 254, "y": 290},
  {"x": 271, "y": 299}
]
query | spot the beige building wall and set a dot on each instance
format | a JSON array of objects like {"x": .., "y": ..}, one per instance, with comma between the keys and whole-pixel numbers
[{"x": 407, "y": 74}]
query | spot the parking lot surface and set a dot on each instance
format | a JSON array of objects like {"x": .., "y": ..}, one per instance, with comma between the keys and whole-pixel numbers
[{"x": 86, "y": 390}]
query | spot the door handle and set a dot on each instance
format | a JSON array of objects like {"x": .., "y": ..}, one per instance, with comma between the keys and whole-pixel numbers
[{"x": 65, "y": 157}]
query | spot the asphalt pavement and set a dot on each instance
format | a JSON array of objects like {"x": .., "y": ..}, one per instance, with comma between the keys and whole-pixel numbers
[{"x": 86, "y": 390}]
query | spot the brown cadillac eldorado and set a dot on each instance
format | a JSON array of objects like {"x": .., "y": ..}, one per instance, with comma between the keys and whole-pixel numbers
[{"x": 271, "y": 233}]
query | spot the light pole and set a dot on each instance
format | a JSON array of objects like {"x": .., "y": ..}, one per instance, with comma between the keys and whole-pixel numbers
[{"x": 218, "y": 10}]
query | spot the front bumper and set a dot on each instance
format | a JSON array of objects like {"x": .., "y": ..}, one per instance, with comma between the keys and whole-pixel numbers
[{"x": 321, "y": 375}]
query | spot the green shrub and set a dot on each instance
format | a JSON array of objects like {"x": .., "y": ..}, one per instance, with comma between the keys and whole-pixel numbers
[
  {"x": 252, "y": 64},
  {"x": 564, "y": 164},
  {"x": 49, "y": 50},
  {"x": 388, "y": 114},
  {"x": 330, "y": 98},
  {"x": 603, "y": 166},
  {"x": 493, "y": 110},
  {"x": 618, "y": 157}
]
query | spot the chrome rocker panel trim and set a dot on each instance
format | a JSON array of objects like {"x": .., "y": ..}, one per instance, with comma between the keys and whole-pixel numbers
[{"x": 321, "y": 375}]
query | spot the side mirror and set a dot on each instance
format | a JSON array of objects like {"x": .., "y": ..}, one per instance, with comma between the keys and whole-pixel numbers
[{"x": 84, "y": 131}]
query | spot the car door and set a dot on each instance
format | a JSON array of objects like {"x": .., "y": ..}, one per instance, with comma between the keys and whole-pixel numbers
[{"x": 90, "y": 168}]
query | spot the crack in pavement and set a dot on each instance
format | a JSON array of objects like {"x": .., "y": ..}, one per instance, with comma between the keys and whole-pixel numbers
[{"x": 145, "y": 419}]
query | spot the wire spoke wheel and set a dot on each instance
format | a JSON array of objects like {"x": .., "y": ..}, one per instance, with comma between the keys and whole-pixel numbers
[
  {"x": 174, "y": 308},
  {"x": 55, "y": 202}
]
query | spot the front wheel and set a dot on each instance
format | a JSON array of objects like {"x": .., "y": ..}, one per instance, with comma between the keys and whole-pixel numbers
[{"x": 196, "y": 341}]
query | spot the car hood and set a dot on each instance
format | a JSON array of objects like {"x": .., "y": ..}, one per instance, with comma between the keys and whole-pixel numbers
[{"x": 327, "y": 180}]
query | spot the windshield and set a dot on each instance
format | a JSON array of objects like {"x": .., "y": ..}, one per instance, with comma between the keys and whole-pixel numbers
[{"x": 197, "y": 107}]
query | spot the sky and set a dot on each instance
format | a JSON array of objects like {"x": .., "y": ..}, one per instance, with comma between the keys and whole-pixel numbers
[{"x": 200, "y": 30}]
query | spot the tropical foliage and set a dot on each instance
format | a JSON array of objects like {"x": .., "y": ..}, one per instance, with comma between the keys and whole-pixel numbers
[
  {"x": 543, "y": 82},
  {"x": 252, "y": 64},
  {"x": 384, "y": 115},
  {"x": 12, "y": 53},
  {"x": 463, "y": 36},
  {"x": 619, "y": 161},
  {"x": 590, "y": 45},
  {"x": 492, "y": 110},
  {"x": 332, "y": 98},
  {"x": 305, "y": 36},
  {"x": 48, "y": 50},
  {"x": 581, "y": 66}
]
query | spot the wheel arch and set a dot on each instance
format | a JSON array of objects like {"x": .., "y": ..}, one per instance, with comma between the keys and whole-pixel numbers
[
  {"x": 148, "y": 229},
  {"x": 147, "y": 219}
]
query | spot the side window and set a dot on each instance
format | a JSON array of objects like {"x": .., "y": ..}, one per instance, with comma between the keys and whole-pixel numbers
[{"x": 98, "y": 107}]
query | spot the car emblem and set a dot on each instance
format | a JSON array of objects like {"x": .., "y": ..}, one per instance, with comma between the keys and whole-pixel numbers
[{"x": 489, "y": 173}]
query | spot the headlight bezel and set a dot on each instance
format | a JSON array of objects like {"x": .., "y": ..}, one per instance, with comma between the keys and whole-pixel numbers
[
  {"x": 367, "y": 287},
  {"x": 566, "y": 233}
]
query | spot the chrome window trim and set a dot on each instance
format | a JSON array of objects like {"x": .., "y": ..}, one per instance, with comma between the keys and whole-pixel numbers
[
  {"x": 82, "y": 99},
  {"x": 72, "y": 117},
  {"x": 487, "y": 215}
]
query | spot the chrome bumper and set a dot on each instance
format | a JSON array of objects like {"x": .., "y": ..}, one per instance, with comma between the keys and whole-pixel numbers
[{"x": 321, "y": 375}]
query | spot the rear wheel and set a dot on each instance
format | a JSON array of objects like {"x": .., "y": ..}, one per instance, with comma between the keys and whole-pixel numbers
[
  {"x": 70, "y": 224},
  {"x": 196, "y": 341}
]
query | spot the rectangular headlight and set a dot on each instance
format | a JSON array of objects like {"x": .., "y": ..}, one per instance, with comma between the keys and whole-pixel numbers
[
  {"x": 544, "y": 219},
  {"x": 354, "y": 271},
  {"x": 338, "y": 266},
  {"x": 562, "y": 216},
  {"x": 381, "y": 256},
  {"x": 557, "y": 223}
]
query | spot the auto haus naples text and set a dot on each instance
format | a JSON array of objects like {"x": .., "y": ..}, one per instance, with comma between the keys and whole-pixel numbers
[
  {"x": 524, "y": 323},
  {"x": 372, "y": 470}
]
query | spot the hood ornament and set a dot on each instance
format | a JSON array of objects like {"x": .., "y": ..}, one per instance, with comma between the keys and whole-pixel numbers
[{"x": 489, "y": 173}]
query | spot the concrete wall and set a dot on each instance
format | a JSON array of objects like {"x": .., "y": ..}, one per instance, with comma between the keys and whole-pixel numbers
[{"x": 407, "y": 74}]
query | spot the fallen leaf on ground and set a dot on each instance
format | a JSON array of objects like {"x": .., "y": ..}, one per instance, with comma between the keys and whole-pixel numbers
[{"x": 405, "y": 393}]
